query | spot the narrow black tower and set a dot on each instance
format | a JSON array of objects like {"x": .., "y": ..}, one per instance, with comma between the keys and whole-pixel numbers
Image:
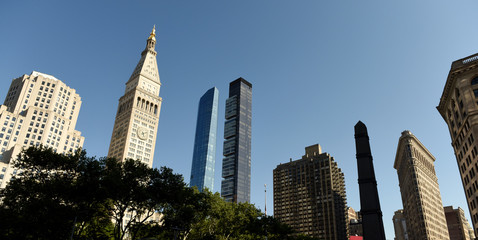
[{"x": 372, "y": 223}]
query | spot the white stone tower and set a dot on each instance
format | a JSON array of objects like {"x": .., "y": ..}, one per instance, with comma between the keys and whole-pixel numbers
[
  {"x": 39, "y": 109},
  {"x": 136, "y": 123}
]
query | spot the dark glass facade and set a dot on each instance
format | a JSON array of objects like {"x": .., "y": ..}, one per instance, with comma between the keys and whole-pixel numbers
[
  {"x": 204, "y": 154},
  {"x": 236, "y": 165}
]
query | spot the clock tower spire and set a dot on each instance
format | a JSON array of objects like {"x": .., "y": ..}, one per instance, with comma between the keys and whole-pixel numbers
[
  {"x": 137, "y": 116},
  {"x": 152, "y": 39}
]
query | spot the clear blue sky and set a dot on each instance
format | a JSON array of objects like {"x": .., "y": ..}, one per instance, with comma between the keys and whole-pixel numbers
[{"x": 317, "y": 67}]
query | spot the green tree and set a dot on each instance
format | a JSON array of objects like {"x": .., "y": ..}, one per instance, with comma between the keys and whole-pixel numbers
[
  {"x": 187, "y": 208},
  {"x": 50, "y": 197},
  {"x": 59, "y": 196},
  {"x": 137, "y": 192}
]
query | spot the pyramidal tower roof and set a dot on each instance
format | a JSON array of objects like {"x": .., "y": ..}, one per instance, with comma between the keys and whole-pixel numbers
[{"x": 147, "y": 66}]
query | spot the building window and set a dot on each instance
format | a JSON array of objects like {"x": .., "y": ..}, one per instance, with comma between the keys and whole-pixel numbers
[{"x": 474, "y": 81}]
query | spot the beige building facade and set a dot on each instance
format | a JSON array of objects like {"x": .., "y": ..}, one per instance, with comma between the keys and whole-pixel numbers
[
  {"x": 459, "y": 108},
  {"x": 38, "y": 110},
  {"x": 309, "y": 195},
  {"x": 137, "y": 117},
  {"x": 422, "y": 204}
]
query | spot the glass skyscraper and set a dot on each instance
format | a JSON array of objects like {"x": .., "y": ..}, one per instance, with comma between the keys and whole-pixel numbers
[
  {"x": 204, "y": 155},
  {"x": 236, "y": 165}
]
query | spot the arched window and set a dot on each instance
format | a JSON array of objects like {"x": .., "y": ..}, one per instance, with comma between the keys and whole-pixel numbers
[{"x": 474, "y": 81}]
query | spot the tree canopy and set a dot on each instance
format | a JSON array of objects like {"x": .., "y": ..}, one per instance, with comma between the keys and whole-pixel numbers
[{"x": 57, "y": 196}]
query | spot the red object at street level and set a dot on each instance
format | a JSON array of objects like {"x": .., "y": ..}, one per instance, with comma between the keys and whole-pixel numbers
[{"x": 356, "y": 238}]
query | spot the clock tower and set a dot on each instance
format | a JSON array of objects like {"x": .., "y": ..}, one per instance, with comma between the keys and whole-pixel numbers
[{"x": 136, "y": 122}]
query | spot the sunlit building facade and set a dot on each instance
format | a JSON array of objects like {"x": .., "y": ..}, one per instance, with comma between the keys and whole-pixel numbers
[
  {"x": 310, "y": 197},
  {"x": 137, "y": 116},
  {"x": 39, "y": 109},
  {"x": 204, "y": 153},
  {"x": 422, "y": 204}
]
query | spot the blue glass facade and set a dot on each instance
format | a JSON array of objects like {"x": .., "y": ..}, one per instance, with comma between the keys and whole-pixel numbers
[
  {"x": 236, "y": 164},
  {"x": 204, "y": 154}
]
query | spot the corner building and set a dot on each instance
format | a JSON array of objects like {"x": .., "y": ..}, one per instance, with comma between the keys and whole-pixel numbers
[
  {"x": 459, "y": 108},
  {"x": 204, "y": 153},
  {"x": 422, "y": 205},
  {"x": 309, "y": 195},
  {"x": 137, "y": 117},
  {"x": 39, "y": 109},
  {"x": 236, "y": 164}
]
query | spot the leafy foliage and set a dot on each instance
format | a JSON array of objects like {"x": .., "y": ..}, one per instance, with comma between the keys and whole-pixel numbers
[{"x": 74, "y": 196}]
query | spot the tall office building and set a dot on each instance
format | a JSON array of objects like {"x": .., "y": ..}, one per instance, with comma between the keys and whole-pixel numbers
[
  {"x": 236, "y": 165},
  {"x": 458, "y": 226},
  {"x": 459, "y": 108},
  {"x": 136, "y": 122},
  {"x": 38, "y": 110},
  {"x": 204, "y": 154},
  {"x": 400, "y": 225},
  {"x": 309, "y": 195},
  {"x": 422, "y": 205}
]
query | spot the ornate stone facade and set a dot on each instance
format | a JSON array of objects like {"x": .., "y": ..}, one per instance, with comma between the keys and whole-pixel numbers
[
  {"x": 422, "y": 205},
  {"x": 459, "y": 108},
  {"x": 137, "y": 117}
]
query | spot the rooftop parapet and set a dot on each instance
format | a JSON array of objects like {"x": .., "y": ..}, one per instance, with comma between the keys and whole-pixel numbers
[{"x": 464, "y": 61}]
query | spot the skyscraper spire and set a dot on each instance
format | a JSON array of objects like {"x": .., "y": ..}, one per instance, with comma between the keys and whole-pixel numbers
[
  {"x": 152, "y": 35},
  {"x": 372, "y": 223},
  {"x": 151, "y": 42},
  {"x": 147, "y": 66}
]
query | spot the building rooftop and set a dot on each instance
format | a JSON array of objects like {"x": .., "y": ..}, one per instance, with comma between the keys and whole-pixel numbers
[
  {"x": 464, "y": 61},
  {"x": 36, "y": 74}
]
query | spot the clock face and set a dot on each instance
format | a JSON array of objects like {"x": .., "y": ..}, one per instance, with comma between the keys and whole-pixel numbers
[{"x": 142, "y": 133}]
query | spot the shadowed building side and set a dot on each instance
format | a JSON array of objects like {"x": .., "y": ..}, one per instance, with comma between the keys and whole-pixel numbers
[
  {"x": 459, "y": 108},
  {"x": 236, "y": 164},
  {"x": 372, "y": 223},
  {"x": 400, "y": 225}
]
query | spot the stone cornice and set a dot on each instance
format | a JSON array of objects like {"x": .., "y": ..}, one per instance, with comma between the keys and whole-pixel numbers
[{"x": 458, "y": 67}]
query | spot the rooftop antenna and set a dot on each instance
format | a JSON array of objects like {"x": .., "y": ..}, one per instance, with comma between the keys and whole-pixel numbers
[{"x": 265, "y": 198}]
